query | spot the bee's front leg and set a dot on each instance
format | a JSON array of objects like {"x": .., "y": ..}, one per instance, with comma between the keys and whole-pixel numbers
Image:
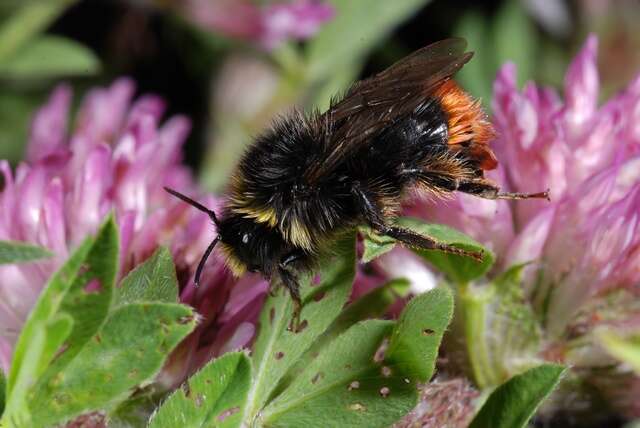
[
  {"x": 274, "y": 286},
  {"x": 290, "y": 281}
]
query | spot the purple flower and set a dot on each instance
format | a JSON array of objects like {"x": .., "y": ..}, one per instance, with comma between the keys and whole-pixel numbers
[
  {"x": 587, "y": 156},
  {"x": 299, "y": 19},
  {"x": 117, "y": 157},
  {"x": 585, "y": 244},
  {"x": 269, "y": 24}
]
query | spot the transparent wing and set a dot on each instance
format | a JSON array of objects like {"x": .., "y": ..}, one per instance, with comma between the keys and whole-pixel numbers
[{"x": 372, "y": 104}]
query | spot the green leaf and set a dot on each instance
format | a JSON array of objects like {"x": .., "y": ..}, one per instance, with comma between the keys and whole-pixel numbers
[
  {"x": 129, "y": 349},
  {"x": 625, "y": 349},
  {"x": 30, "y": 344},
  {"x": 31, "y": 18},
  {"x": 75, "y": 354},
  {"x": 65, "y": 313},
  {"x": 371, "y": 305},
  {"x": 276, "y": 348},
  {"x": 459, "y": 269},
  {"x": 88, "y": 299},
  {"x": 58, "y": 329},
  {"x": 50, "y": 56},
  {"x": 375, "y": 245},
  {"x": 20, "y": 252},
  {"x": 513, "y": 403},
  {"x": 352, "y": 382},
  {"x": 345, "y": 386},
  {"x": 359, "y": 25},
  {"x": 3, "y": 390},
  {"x": 16, "y": 111},
  {"x": 211, "y": 397},
  {"x": 152, "y": 281},
  {"x": 413, "y": 347}
]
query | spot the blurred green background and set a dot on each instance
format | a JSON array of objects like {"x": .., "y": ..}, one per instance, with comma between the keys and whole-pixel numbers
[{"x": 231, "y": 87}]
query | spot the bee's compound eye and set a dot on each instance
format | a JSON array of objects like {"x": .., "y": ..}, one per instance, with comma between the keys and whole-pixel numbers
[{"x": 245, "y": 238}]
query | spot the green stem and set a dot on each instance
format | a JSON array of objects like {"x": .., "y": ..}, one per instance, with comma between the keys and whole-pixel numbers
[
  {"x": 289, "y": 60},
  {"x": 473, "y": 305}
]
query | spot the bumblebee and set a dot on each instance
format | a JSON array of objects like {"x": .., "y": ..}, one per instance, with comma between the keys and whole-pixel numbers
[{"x": 311, "y": 176}]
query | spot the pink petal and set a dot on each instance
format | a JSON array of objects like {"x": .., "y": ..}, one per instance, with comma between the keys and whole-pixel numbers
[
  {"x": 103, "y": 111},
  {"x": 28, "y": 211},
  {"x": 49, "y": 126},
  {"x": 235, "y": 18},
  {"x": 582, "y": 86},
  {"x": 7, "y": 201},
  {"x": 529, "y": 243},
  {"x": 86, "y": 205},
  {"x": 147, "y": 105},
  {"x": 241, "y": 337},
  {"x": 402, "y": 263},
  {"x": 54, "y": 219},
  {"x": 504, "y": 88},
  {"x": 526, "y": 128},
  {"x": 172, "y": 137},
  {"x": 300, "y": 19},
  {"x": 126, "y": 223}
]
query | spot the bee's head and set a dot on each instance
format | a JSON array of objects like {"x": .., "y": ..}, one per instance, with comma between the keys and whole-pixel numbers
[{"x": 249, "y": 245}]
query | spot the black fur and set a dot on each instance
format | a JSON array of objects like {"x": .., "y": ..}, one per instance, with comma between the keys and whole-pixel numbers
[{"x": 271, "y": 174}]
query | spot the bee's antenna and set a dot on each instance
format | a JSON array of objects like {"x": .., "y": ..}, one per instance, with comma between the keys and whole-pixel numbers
[
  {"x": 212, "y": 215},
  {"x": 203, "y": 260}
]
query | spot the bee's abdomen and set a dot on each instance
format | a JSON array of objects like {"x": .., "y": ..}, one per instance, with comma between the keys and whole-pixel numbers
[
  {"x": 400, "y": 152},
  {"x": 417, "y": 151}
]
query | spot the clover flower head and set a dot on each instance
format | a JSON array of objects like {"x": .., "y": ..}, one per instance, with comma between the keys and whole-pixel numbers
[{"x": 115, "y": 157}]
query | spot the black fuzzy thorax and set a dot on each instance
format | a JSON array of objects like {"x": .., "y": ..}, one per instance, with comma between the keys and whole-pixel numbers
[{"x": 274, "y": 210}]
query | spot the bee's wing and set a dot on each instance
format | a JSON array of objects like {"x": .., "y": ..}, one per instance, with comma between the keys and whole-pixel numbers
[{"x": 372, "y": 104}]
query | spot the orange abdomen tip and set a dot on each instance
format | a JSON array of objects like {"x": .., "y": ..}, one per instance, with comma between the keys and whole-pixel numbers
[{"x": 467, "y": 123}]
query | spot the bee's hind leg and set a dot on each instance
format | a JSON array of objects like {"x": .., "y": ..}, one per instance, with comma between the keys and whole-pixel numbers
[
  {"x": 376, "y": 220},
  {"x": 489, "y": 190}
]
